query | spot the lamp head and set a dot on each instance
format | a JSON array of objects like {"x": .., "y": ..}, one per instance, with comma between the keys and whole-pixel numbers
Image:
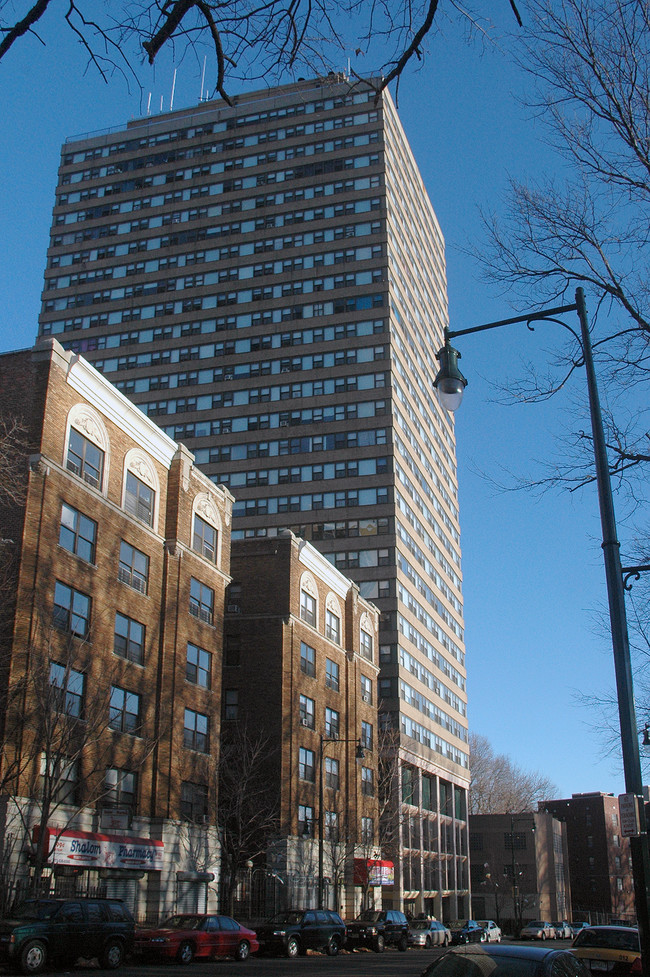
[
  {"x": 360, "y": 752},
  {"x": 646, "y": 736},
  {"x": 450, "y": 382}
]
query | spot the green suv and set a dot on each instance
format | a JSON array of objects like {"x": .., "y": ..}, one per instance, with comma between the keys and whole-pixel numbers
[{"x": 54, "y": 932}]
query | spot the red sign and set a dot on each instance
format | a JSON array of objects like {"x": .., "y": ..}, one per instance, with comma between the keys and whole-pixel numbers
[
  {"x": 373, "y": 871},
  {"x": 84, "y": 849}
]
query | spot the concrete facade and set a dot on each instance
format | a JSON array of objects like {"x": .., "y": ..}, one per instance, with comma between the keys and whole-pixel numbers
[
  {"x": 112, "y": 652},
  {"x": 520, "y": 869}
]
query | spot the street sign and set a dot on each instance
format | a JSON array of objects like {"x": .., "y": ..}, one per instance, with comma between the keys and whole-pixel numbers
[{"x": 628, "y": 805}]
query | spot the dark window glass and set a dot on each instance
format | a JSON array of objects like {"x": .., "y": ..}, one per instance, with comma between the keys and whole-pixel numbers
[
  {"x": 124, "y": 710},
  {"x": 85, "y": 459},
  {"x": 195, "y": 731},
  {"x": 78, "y": 533},
  {"x": 198, "y": 666},
  {"x": 68, "y": 686},
  {"x": 71, "y": 610},
  {"x": 133, "y": 568},
  {"x": 204, "y": 539},
  {"x": 139, "y": 499},
  {"x": 128, "y": 639}
]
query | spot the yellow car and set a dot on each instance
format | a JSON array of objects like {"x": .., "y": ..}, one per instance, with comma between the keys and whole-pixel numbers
[{"x": 611, "y": 950}]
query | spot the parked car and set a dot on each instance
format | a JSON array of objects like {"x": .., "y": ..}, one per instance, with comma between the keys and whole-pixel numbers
[
  {"x": 428, "y": 932},
  {"x": 199, "y": 935},
  {"x": 577, "y": 926},
  {"x": 492, "y": 931},
  {"x": 562, "y": 930},
  {"x": 466, "y": 931},
  {"x": 378, "y": 928},
  {"x": 506, "y": 961},
  {"x": 538, "y": 929},
  {"x": 610, "y": 949},
  {"x": 297, "y": 931},
  {"x": 56, "y": 932}
]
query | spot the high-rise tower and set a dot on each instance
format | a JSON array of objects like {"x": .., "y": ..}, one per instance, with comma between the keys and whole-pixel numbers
[{"x": 266, "y": 279}]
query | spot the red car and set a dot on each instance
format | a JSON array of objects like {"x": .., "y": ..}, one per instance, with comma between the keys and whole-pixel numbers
[{"x": 194, "y": 935}]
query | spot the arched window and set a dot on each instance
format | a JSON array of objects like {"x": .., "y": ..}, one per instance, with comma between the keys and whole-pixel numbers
[
  {"x": 141, "y": 489},
  {"x": 309, "y": 600},
  {"x": 87, "y": 446},
  {"x": 206, "y": 528}
]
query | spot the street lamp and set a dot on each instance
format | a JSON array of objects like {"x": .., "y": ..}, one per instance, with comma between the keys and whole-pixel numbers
[
  {"x": 359, "y": 754},
  {"x": 451, "y": 384}
]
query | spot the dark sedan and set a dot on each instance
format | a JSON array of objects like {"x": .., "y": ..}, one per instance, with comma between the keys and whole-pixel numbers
[
  {"x": 498, "y": 960},
  {"x": 297, "y": 931},
  {"x": 466, "y": 931}
]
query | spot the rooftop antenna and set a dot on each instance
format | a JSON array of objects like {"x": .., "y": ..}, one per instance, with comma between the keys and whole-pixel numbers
[
  {"x": 149, "y": 104},
  {"x": 202, "y": 79},
  {"x": 171, "y": 102},
  {"x": 161, "y": 103}
]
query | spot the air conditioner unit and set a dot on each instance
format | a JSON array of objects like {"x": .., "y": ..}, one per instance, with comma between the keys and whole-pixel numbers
[
  {"x": 305, "y": 722},
  {"x": 229, "y": 376},
  {"x": 365, "y": 696},
  {"x": 233, "y": 609}
]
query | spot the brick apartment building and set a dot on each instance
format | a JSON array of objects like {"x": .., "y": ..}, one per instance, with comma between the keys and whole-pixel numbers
[
  {"x": 600, "y": 866},
  {"x": 116, "y": 566},
  {"x": 520, "y": 868},
  {"x": 301, "y": 667}
]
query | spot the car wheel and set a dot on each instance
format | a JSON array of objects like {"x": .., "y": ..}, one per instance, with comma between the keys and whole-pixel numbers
[
  {"x": 427, "y": 942},
  {"x": 32, "y": 957},
  {"x": 293, "y": 947},
  {"x": 543, "y": 937},
  {"x": 380, "y": 944},
  {"x": 403, "y": 944},
  {"x": 445, "y": 942},
  {"x": 243, "y": 950},
  {"x": 333, "y": 946},
  {"x": 185, "y": 952},
  {"x": 112, "y": 955}
]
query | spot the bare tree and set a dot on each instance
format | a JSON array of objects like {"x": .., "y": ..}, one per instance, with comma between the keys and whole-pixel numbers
[
  {"x": 590, "y": 67},
  {"x": 247, "y": 807},
  {"x": 246, "y": 39},
  {"x": 498, "y": 786}
]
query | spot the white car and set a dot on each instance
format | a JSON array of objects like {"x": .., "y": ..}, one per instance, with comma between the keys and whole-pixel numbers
[
  {"x": 537, "y": 930},
  {"x": 562, "y": 930},
  {"x": 492, "y": 931}
]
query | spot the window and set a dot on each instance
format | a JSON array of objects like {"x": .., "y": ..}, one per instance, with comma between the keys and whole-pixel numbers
[
  {"x": 331, "y": 675},
  {"x": 366, "y": 736},
  {"x": 306, "y": 765},
  {"x": 308, "y": 608},
  {"x": 307, "y": 712},
  {"x": 408, "y": 785},
  {"x": 198, "y": 666},
  {"x": 366, "y": 689},
  {"x": 139, "y": 499},
  {"x": 195, "y": 731},
  {"x": 367, "y": 831},
  {"x": 194, "y": 801},
  {"x": 128, "y": 638},
  {"x": 204, "y": 539},
  {"x": 133, "y": 568},
  {"x": 231, "y": 704},
  {"x": 331, "y": 826},
  {"x": 124, "y": 710},
  {"x": 77, "y": 533},
  {"x": 366, "y": 645},
  {"x": 332, "y": 627},
  {"x": 68, "y": 687},
  {"x": 120, "y": 786},
  {"x": 85, "y": 459},
  {"x": 71, "y": 610},
  {"x": 367, "y": 782},
  {"x": 59, "y": 778},
  {"x": 307, "y": 659},
  {"x": 201, "y": 601},
  {"x": 305, "y": 820},
  {"x": 231, "y": 650},
  {"x": 332, "y": 723},
  {"x": 332, "y": 773}
]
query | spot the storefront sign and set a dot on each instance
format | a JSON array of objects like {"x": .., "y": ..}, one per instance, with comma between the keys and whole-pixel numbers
[
  {"x": 373, "y": 871},
  {"x": 83, "y": 849}
]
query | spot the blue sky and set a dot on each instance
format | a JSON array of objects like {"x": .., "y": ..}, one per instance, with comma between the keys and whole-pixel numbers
[{"x": 534, "y": 579}]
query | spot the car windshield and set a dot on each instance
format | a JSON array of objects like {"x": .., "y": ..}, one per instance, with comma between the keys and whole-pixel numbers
[
  {"x": 420, "y": 924},
  {"x": 183, "y": 923},
  {"x": 536, "y": 924},
  {"x": 369, "y": 916},
  {"x": 482, "y": 965},
  {"x": 32, "y": 909},
  {"x": 459, "y": 924},
  {"x": 610, "y": 938},
  {"x": 291, "y": 917}
]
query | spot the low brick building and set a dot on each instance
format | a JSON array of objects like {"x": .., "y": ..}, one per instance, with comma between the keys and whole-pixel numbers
[
  {"x": 300, "y": 667},
  {"x": 116, "y": 562}
]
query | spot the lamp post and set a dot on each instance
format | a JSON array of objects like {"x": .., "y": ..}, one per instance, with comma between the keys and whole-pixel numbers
[
  {"x": 450, "y": 384},
  {"x": 359, "y": 754}
]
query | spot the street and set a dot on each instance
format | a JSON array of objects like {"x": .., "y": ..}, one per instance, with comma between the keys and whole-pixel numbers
[{"x": 392, "y": 963}]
